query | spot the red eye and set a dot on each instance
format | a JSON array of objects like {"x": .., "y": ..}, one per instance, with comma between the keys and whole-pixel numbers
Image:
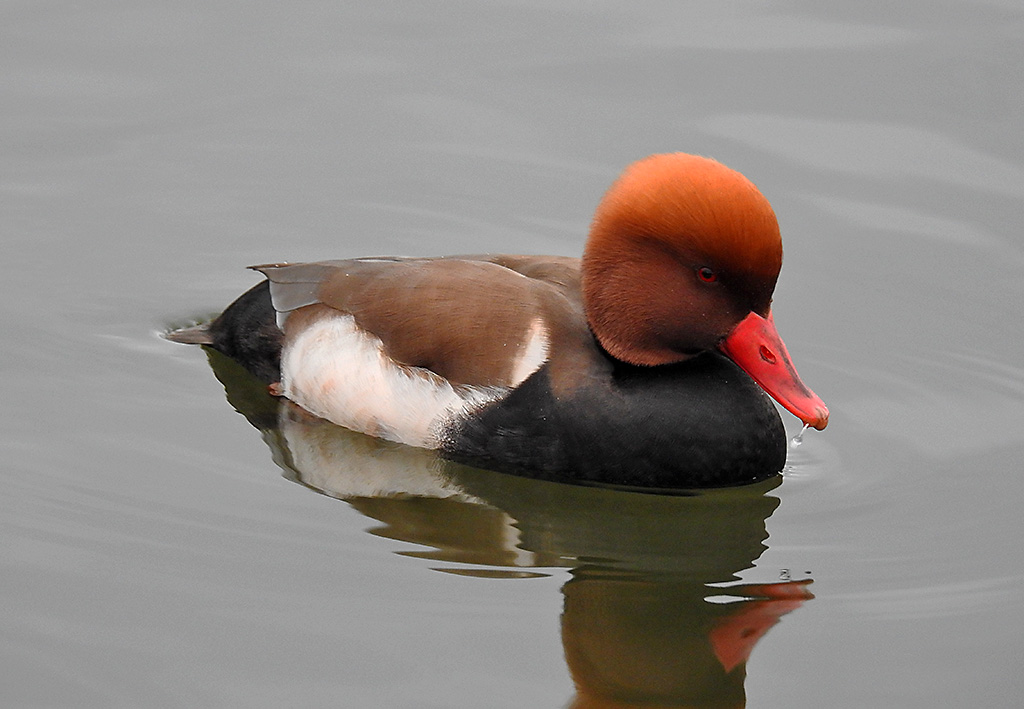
[{"x": 707, "y": 275}]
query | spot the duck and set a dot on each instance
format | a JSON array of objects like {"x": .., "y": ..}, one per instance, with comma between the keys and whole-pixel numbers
[{"x": 650, "y": 362}]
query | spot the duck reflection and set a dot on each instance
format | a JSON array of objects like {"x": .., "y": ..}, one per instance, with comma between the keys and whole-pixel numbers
[{"x": 653, "y": 616}]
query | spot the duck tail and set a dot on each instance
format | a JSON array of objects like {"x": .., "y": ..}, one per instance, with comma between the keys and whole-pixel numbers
[
  {"x": 246, "y": 331},
  {"x": 195, "y": 335}
]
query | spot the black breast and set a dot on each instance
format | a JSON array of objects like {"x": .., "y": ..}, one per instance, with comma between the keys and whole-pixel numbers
[{"x": 702, "y": 423}]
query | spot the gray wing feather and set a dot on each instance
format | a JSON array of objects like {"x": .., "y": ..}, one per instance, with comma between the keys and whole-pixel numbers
[{"x": 294, "y": 286}]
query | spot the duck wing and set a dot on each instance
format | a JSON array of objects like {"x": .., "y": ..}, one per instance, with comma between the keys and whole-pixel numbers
[{"x": 481, "y": 321}]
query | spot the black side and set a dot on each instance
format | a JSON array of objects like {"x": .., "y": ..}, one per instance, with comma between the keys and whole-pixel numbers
[
  {"x": 703, "y": 423},
  {"x": 247, "y": 332}
]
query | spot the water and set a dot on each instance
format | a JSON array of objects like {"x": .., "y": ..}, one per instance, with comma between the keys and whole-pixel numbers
[{"x": 161, "y": 550}]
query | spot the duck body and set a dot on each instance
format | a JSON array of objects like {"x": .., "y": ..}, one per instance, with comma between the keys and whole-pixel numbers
[
  {"x": 634, "y": 366},
  {"x": 702, "y": 423}
]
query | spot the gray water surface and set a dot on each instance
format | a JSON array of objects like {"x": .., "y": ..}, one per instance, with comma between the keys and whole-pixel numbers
[{"x": 158, "y": 549}]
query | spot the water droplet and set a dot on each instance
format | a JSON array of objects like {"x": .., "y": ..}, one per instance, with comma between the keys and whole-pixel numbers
[{"x": 798, "y": 439}]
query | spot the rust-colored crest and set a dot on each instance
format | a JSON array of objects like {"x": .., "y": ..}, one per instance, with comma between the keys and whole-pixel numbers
[
  {"x": 693, "y": 203},
  {"x": 667, "y": 218}
]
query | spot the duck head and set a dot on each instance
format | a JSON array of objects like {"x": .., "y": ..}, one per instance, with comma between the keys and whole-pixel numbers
[{"x": 683, "y": 257}]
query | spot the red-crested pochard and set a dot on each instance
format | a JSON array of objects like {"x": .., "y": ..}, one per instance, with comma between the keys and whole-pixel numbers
[{"x": 628, "y": 367}]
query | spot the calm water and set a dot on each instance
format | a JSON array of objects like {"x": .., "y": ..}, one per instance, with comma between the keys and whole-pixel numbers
[{"x": 158, "y": 549}]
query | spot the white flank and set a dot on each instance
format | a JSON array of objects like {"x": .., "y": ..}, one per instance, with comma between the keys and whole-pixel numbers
[
  {"x": 339, "y": 372},
  {"x": 534, "y": 353}
]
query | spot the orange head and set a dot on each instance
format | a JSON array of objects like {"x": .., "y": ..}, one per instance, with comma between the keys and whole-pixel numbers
[{"x": 682, "y": 249}]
